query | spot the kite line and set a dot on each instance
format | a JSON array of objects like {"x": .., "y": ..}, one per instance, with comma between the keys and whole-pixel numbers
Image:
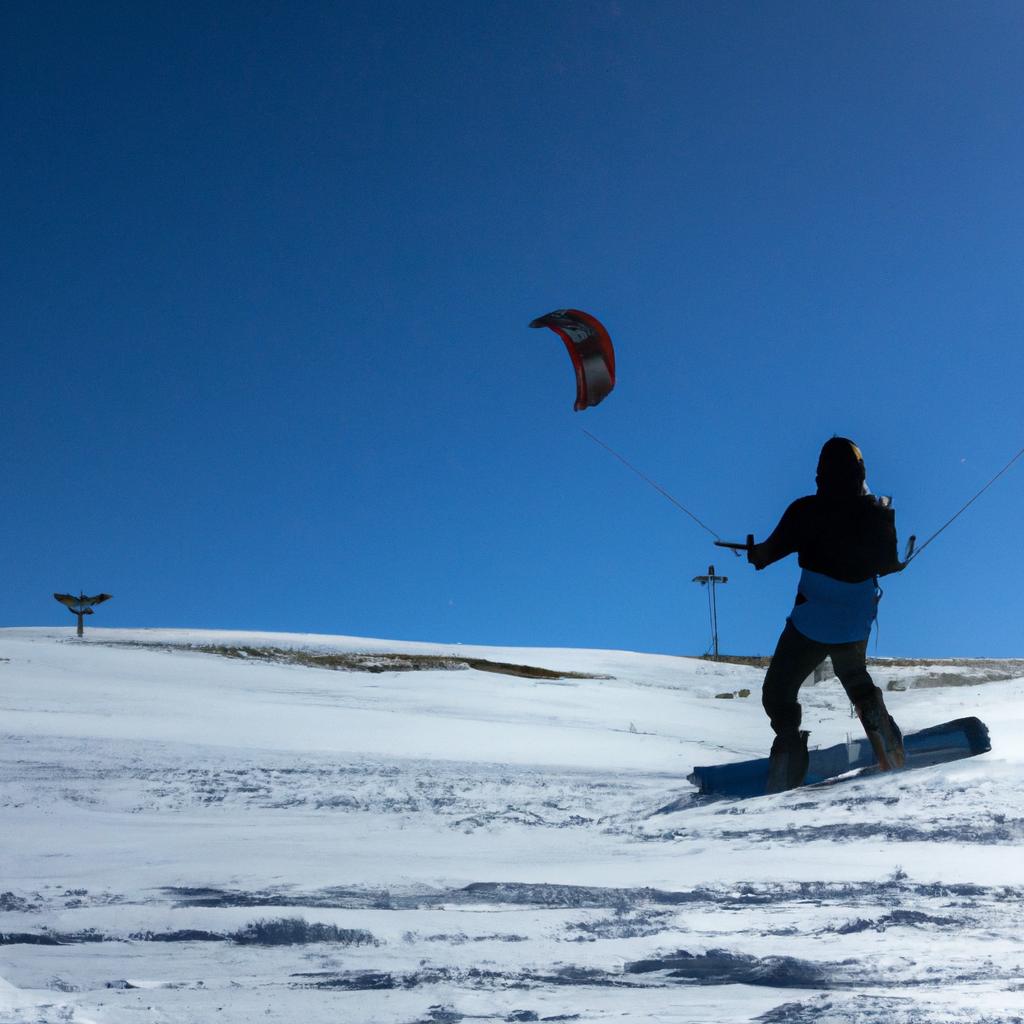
[
  {"x": 913, "y": 552},
  {"x": 964, "y": 508},
  {"x": 653, "y": 483}
]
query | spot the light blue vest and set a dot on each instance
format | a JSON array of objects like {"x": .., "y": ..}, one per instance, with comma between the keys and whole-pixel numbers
[{"x": 835, "y": 612}]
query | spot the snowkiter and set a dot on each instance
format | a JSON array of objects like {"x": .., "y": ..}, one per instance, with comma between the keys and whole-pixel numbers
[{"x": 845, "y": 538}]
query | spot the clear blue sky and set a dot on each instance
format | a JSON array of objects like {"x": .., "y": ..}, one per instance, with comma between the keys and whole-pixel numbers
[{"x": 268, "y": 268}]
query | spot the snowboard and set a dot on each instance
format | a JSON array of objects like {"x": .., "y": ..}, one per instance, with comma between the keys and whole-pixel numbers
[{"x": 951, "y": 741}]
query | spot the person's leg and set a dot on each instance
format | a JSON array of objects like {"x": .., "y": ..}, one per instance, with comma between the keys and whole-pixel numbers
[
  {"x": 795, "y": 658},
  {"x": 850, "y": 663}
]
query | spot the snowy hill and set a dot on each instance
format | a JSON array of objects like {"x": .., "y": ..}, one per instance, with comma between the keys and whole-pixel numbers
[{"x": 208, "y": 826}]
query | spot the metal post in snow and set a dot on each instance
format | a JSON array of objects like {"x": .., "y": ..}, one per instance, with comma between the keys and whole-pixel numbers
[{"x": 710, "y": 581}]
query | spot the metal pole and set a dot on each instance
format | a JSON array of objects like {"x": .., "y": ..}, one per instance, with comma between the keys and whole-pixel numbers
[
  {"x": 714, "y": 616},
  {"x": 710, "y": 580}
]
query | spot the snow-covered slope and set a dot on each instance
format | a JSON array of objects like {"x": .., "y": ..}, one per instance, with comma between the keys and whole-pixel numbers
[{"x": 191, "y": 836}]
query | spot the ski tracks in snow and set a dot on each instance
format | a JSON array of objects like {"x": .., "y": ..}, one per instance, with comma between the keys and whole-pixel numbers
[
  {"x": 557, "y": 947},
  {"x": 144, "y": 880}
]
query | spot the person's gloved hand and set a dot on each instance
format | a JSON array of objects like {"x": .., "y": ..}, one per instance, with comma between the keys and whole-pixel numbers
[{"x": 755, "y": 553}]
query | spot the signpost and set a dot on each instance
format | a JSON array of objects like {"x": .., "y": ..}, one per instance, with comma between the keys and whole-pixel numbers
[{"x": 81, "y": 606}]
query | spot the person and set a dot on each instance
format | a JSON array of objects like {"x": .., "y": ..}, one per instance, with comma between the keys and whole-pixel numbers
[{"x": 845, "y": 538}]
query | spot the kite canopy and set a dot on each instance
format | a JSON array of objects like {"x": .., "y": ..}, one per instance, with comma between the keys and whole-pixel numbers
[{"x": 590, "y": 349}]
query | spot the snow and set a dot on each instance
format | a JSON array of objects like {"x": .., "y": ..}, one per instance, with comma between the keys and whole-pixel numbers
[{"x": 444, "y": 844}]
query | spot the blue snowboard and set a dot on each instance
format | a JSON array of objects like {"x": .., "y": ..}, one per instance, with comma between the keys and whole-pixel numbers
[{"x": 951, "y": 741}]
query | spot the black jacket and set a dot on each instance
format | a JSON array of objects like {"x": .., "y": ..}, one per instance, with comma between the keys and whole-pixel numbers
[{"x": 851, "y": 539}]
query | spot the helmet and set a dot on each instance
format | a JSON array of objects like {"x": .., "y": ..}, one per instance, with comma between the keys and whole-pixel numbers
[{"x": 840, "y": 468}]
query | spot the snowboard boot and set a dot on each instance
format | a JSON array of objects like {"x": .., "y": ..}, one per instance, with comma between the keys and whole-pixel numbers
[
  {"x": 787, "y": 763},
  {"x": 882, "y": 731}
]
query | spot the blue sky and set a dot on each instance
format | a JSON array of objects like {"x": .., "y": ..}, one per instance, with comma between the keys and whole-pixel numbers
[{"x": 268, "y": 270}]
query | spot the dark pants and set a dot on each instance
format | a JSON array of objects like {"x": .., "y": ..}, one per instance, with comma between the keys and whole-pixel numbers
[{"x": 796, "y": 657}]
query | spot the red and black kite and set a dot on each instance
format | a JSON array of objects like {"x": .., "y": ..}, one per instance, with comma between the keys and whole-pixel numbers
[{"x": 591, "y": 352}]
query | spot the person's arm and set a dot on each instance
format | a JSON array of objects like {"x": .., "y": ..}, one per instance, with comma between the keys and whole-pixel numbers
[{"x": 784, "y": 540}]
